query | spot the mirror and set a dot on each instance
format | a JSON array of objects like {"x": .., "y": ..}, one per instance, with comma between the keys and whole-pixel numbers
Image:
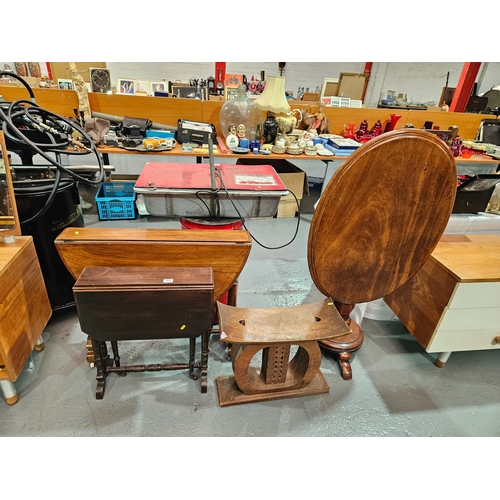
[{"x": 9, "y": 221}]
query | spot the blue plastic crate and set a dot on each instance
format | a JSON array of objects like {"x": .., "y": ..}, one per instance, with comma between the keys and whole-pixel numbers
[{"x": 116, "y": 200}]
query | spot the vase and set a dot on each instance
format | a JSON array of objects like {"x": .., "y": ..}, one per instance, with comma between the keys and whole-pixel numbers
[
  {"x": 348, "y": 131},
  {"x": 270, "y": 128},
  {"x": 240, "y": 111},
  {"x": 390, "y": 124},
  {"x": 289, "y": 121}
]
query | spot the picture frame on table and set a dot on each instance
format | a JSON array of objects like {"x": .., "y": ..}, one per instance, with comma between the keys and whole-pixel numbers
[
  {"x": 186, "y": 92},
  {"x": 231, "y": 92},
  {"x": 126, "y": 86},
  {"x": 64, "y": 84},
  {"x": 157, "y": 86},
  {"x": 142, "y": 87}
]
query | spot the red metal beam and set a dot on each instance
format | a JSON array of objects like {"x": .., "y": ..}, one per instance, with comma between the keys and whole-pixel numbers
[
  {"x": 464, "y": 86},
  {"x": 367, "y": 72}
]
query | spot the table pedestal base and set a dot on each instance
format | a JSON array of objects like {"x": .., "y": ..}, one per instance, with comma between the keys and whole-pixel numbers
[{"x": 343, "y": 346}]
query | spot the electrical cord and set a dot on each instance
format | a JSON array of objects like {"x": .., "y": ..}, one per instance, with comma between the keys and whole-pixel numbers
[
  {"x": 218, "y": 173},
  {"x": 25, "y": 115}
]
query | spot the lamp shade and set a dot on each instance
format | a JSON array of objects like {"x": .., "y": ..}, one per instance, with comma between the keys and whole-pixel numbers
[{"x": 273, "y": 98}]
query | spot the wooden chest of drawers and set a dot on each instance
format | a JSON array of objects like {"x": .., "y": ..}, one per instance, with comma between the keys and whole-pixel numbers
[{"x": 453, "y": 302}]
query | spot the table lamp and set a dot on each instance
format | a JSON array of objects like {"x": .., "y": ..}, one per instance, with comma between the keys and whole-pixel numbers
[{"x": 273, "y": 100}]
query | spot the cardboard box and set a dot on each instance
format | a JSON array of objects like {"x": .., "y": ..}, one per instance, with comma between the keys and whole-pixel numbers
[
  {"x": 287, "y": 208},
  {"x": 352, "y": 85},
  {"x": 292, "y": 176}
]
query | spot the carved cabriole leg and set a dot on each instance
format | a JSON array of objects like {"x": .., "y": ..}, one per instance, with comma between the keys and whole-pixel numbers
[
  {"x": 343, "y": 346},
  {"x": 9, "y": 392}
]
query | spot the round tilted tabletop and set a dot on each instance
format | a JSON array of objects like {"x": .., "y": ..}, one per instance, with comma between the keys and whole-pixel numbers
[{"x": 381, "y": 215}]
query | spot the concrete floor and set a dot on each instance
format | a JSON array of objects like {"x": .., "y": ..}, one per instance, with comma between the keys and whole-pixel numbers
[{"x": 396, "y": 389}]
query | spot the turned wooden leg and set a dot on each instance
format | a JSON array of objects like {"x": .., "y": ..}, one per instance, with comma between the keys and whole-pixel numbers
[
  {"x": 100, "y": 363},
  {"x": 90, "y": 353},
  {"x": 204, "y": 361},
  {"x": 9, "y": 392},
  {"x": 192, "y": 350},
  {"x": 343, "y": 346},
  {"x": 442, "y": 359},
  {"x": 39, "y": 346}
]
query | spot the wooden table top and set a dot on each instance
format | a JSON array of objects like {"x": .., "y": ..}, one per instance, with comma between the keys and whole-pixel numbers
[
  {"x": 203, "y": 152},
  {"x": 380, "y": 217},
  {"x": 470, "y": 257}
]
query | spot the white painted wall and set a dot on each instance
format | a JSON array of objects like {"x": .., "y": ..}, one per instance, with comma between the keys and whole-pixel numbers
[{"x": 422, "y": 82}]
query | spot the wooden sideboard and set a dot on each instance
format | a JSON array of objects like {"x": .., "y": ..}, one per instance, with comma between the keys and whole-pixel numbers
[
  {"x": 24, "y": 310},
  {"x": 453, "y": 302},
  {"x": 168, "y": 110}
]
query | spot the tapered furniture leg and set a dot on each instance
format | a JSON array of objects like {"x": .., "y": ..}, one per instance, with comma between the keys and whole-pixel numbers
[
  {"x": 442, "y": 359},
  {"x": 39, "y": 346},
  {"x": 9, "y": 392}
]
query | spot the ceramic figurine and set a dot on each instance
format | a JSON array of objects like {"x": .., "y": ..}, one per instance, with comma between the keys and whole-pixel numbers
[
  {"x": 362, "y": 132},
  {"x": 456, "y": 146},
  {"x": 348, "y": 132},
  {"x": 232, "y": 139},
  {"x": 318, "y": 120},
  {"x": 241, "y": 132},
  {"x": 376, "y": 129},
  {"x": 81, "y": 91}
]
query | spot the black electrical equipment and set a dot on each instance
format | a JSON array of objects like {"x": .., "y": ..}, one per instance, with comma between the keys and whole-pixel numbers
[
  {"x": 47, "y": 196},
  {"x": 30, "y": 130}
]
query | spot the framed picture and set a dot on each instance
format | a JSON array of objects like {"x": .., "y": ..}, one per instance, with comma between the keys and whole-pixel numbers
[
  {"x": 35, "y": 70},
  {"x": 21, "y": 68},
  {"x": 158, "y": 87},
  {"x": 231, "y": 91},
  {"x": 64, "y": 84},
  {"x": 126, "y": 86},
  {"x": 330, "y": 87},
  {"x": 233, "y": 79},
  {"x": 185, "y": 92},
  {"x": 142, "y": 87}
]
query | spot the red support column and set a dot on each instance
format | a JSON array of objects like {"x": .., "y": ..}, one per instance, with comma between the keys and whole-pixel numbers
[
  {"x": 464, "y": 86},
  {"x": 367, "y": 72}
]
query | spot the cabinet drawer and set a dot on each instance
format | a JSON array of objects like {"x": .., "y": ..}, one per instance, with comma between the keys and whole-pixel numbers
[
  {"x": 463, "y": 340},
  {"x": 476, "y": 295}
]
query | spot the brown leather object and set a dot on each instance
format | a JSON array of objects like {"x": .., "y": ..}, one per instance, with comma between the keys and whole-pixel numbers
[{"x": 381, "y": 215}]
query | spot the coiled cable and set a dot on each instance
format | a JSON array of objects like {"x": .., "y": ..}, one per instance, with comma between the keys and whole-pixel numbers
[{"x": 23, "y": 116}]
